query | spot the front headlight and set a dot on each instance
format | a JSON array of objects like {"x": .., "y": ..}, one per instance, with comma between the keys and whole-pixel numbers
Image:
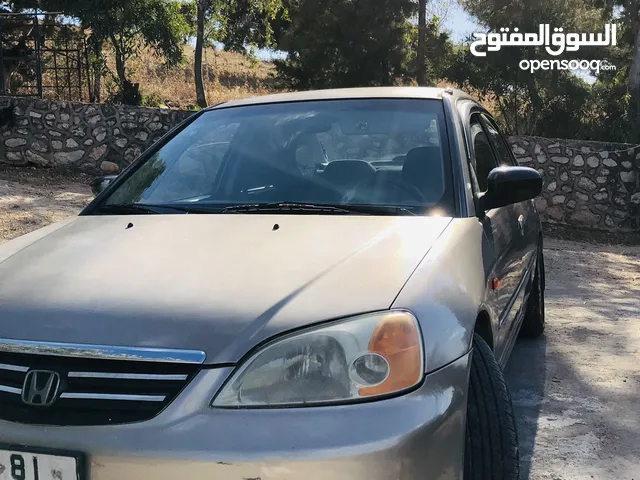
[{"x": 355, "y": 359}]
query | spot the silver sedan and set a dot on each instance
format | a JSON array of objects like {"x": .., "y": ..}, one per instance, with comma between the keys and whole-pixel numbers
[{"x": 320, "y": 285}]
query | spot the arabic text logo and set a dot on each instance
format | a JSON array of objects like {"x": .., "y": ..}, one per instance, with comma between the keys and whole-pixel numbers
[{"x": 570, "y": 42}]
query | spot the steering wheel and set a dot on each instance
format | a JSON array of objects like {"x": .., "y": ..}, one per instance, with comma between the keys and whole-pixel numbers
[{"x": 371, "y": 189}]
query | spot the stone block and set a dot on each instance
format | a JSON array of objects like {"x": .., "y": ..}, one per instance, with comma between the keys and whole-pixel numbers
[
  {"x": 583, "y": 217},
  {"x": 593, "y": 162},
  {"x": 97, "y": 153},
  {"x": 109, "y": 167},
  {"x": 66, "y": 158},
  {"x": 33, "y": 157},
  {"x": 587, "y": 184},
  {"x": 628, "y": 176}
]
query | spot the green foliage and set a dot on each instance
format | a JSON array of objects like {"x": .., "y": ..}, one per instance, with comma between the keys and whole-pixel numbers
[
  {"x": 439, "y": 51},
  {"x": 129, "y": 25},
  {"x": 552, "y": 102},
  {"x": 152, "y": 100},
  {"x": 344, "y": 43},
  {"x": 245, "y": 22},
  {"x": 557, "y": 103}
]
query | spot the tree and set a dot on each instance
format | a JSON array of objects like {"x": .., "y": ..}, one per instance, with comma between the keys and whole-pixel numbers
[
  {"x": 530, "y": 103},
  {"x": 631, "y": 18},
  {"x": 345, "y": 43},
  {"x": 128, "y": 25},
  {"x": 234, "y": 23},
  {"x": 203, "y": 8},
  {"x": 437, "y": 50},
  {"x": 422, "y": 36}
]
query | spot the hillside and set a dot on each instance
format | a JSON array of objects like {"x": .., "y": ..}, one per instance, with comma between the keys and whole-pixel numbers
[{"x": 227, "y": 76}]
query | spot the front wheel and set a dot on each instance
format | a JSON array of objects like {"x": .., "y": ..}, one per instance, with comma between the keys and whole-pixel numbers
[{"x": 491, "y": 446}]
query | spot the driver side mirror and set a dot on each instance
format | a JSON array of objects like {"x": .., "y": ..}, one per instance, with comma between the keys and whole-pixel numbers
[
  {"x": 100, "y": 183},
  {"x": 509, "y": 185}
]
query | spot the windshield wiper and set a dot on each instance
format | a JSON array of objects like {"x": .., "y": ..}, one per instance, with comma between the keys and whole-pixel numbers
[
  {"x": 286, "y": 207},
  {"x": 148, "y": 209},
  {"x": 379, "y": 210},
  {"x": 317, "y": 208},
  {"x": 276, "y": 207}
]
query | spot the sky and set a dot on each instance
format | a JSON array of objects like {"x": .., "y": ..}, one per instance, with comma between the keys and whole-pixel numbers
[{"x": 459, "y": 23}]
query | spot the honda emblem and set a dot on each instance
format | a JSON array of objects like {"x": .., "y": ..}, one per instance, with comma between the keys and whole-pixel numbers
[{"x": 40, "y": 388}]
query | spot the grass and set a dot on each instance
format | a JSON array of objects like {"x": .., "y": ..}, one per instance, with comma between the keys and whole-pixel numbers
[{"x": 227, "y": 76}]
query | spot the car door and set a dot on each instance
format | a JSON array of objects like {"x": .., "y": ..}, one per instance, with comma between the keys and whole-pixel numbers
[
  {"x": 528, "y": 226},
  {"x": 500, "y": 229},
  {"x": 527, "y": 214}
]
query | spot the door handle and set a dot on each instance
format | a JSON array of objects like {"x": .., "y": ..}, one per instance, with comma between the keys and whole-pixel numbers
[{"x": 521, "y": 224}]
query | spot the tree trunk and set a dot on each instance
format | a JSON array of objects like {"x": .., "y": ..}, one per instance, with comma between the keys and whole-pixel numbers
[
  {"x": 97, "y": 70},
  {"x": 201, "y": 97},
  {"x": 422, "y": 33},
  {"x": 120, "y": 61},
  {"x": 634, "y": 86}
]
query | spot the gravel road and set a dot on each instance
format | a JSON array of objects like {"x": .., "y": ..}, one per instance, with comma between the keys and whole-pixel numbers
[{"x": 576, "y": 390}]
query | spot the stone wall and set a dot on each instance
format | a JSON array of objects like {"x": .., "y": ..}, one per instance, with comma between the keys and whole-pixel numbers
[
  {"x": 90, "y": 138},
  {"x": 587, "y": 184}
]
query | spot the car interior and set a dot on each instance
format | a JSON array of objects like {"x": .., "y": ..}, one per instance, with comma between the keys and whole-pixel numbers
[
  {"x": 303, "y": 161},
  {"x": 259, "y": 170}
]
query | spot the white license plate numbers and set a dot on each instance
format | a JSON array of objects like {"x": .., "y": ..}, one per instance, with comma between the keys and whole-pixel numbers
[{"x": 15, "y": 465}]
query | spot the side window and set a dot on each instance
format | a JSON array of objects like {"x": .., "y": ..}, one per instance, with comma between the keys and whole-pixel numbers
[
  {"x": 483, "y": 158},
  {"x": 502, "y": 148}
]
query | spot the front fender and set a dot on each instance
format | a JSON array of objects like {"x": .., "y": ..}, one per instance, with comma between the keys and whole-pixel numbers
[{"x": 446, "y": 291}]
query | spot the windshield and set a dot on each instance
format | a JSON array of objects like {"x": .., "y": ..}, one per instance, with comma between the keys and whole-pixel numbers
[{"x": 370, "y": 152}]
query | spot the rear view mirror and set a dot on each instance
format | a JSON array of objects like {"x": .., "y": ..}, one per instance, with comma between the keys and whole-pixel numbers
[
  {"x": 100, "y": 183},
  {"x": 509, "y": 185}
]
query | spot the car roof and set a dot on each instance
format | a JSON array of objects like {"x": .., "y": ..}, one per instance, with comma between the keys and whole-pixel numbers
[{"x": 349, "y": 93}]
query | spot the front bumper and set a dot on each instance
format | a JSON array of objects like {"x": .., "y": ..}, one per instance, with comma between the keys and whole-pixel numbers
[{"x": 416, "y": 436}]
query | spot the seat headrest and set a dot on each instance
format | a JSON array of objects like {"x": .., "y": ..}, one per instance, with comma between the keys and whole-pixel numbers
[
  {"x": 348, "y": 172},
  {"x": 423, "y": 168}
]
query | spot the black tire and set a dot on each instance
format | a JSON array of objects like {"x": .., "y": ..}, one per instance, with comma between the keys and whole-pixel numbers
[
  {"x": 491, "y": 446},
  {"x": 533, "y": 323}
]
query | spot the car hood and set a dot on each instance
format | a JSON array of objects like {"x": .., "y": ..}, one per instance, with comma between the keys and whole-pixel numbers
[{"x": 216, "y": 283}]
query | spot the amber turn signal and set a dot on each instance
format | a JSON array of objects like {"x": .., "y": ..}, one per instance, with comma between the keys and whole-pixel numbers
[{"x": 397, "y": 339}]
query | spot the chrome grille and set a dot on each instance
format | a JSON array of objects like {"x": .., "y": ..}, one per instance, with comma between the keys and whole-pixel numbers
[{"x": 92, "y": 391}]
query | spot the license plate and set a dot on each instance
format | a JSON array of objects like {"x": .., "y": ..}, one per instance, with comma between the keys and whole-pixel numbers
[{"x": 34, "y": 465}]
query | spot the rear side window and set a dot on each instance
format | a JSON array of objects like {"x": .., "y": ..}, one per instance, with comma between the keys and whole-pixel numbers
[{"x": 483, "y": 160}]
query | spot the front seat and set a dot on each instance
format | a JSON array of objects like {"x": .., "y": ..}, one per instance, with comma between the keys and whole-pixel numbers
[
  {"x": 344, "y": 175},
  {"x": 424, "y": 170},
  {"x": 257, "y": 162}
]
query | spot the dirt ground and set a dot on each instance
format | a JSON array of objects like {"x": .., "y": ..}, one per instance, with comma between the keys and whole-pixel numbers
[
  {"x": 31, "y": 198},
  {"x": 576, "y": 390}
]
